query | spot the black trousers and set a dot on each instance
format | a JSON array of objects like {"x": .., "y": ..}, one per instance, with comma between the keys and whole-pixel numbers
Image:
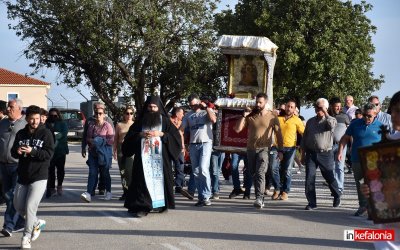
[
  {"x": 326, "y": 163},
  {"x": 59, "y": 164}
]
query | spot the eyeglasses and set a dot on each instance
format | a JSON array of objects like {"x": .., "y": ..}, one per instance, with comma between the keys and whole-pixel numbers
[
  {"x": 128, "y": 113},
  {"x": 368, "y": 116},
  {"x": 10, "y": 128},
  {"x": 97, "y": 113}
]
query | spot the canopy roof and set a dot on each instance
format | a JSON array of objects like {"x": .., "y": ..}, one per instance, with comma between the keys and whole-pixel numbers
[{"x": 247, "y": 42}]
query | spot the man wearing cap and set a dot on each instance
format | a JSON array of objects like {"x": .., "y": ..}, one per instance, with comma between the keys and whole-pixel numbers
[{"x": 200, "y": 120}]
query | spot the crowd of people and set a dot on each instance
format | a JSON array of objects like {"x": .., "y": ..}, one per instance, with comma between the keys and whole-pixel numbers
[{"x": 151, "y": 150}]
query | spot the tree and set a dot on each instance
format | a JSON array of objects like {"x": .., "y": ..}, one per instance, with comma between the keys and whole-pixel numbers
[
  {"x": 385, "y": 103},
  {"x": 325, "y": 46},
  {"x": 122, "y": 47}
]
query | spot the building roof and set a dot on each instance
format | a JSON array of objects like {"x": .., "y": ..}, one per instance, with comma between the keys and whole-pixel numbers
[{"x": 11, "y": 78}]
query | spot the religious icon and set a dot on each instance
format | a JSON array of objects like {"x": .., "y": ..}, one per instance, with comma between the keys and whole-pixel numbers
[
  {"x": 249, "y": 73},
  {"x": 156, "y": 147},
  {"x": 146, "y": 146}
]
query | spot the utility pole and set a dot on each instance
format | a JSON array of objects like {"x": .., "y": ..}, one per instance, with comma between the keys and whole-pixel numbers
[{"x": 64, "y": 99}]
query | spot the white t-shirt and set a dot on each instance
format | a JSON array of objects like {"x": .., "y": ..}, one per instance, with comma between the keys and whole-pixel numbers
[{"x": 200, "y": 126}]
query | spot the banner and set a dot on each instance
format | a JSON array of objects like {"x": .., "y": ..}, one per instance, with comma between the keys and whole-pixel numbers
[{"x": 153, "y": 169}]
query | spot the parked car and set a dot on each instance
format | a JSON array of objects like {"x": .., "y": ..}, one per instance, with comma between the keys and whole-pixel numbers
[{"x": 75, "y": 120}]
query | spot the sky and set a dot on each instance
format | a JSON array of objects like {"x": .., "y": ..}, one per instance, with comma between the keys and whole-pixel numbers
[{"x": 384, "y": 16}]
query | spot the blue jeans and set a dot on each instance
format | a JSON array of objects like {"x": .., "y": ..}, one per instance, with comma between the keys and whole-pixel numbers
[
  {"x": 93, "y": 178},
  {"x": 339, "y": 166},
  {"x": 200, "y": 154},
  {"x": 236, "y": 158},
  {"x": 284, "y": 168},
  {"x": 12, "y": 219},
  {"x": 217, "y": 158},
  {"x": 179, "y": 174},
  {"x": 191, "y": 184}
]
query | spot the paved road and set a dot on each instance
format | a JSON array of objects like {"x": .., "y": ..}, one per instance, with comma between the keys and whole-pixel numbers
[{"x": 227, "y": 224}]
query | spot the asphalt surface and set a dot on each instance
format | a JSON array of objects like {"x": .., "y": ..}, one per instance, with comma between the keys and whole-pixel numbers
[{"x": 227, "y": 224}]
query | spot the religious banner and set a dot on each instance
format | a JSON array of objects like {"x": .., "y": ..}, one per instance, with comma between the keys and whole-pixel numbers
[
  {"x": 226, "y": 137},
  {"x": 381, "y": 166},
  {"x": 153, "y": 169}
]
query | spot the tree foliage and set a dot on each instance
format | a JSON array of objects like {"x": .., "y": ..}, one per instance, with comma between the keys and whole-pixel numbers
[
  {"x": 130, "y": 48},
  {"x": 325, "y": 46}
]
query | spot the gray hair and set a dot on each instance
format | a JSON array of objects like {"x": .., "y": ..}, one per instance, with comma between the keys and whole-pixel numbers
[
  {"x": 370, "y": 106},
  {"x": 99, "y": 105},
  {"x": 324, "y": 102},
  {"x": 18, "y": 102}
]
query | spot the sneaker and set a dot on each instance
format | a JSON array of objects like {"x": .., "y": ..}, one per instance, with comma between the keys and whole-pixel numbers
[
  {"x": 199, "y": 204},
  {"x": 6, "y": 232},
  {"x": 18, "y": 229},
  {"x": 246, "y": 197},
  {"x": 284, "y": 196},
  {"x": 267, "y": 192},
  {"x": 186, "y": 194},
  {"x": 309, "y": 207},
  {"x": 59, "y": 190},
  {"x": 102, "y": 192},
  {"x": 108, "y": 196},
  {"x": 86, "y": 197},
  {"x": 234, "y": 193},
  {"x": 259, "y": 203},
  {"x": 275, "y": 196},
  {"x": 25, "y": 243},
  {"x": 360, "y": 211},
  {"x": 215, "y": 196},
  {"x": 207, "y": 202},
  {"x": 37, "y": 229},
  {"x": 336, "y": 202}
]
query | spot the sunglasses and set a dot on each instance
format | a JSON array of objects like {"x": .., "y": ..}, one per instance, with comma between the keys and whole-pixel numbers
[
  {"x": 10, "y": 128},
  {"x": 54, "y": 116},
  {"x": 376, "y": 104},
  {"x": 97, "y": 113},
  {"x": 129, "y": 113}
]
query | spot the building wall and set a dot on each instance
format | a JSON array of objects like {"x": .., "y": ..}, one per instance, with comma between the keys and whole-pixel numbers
[{"x": 30, "y": 95}]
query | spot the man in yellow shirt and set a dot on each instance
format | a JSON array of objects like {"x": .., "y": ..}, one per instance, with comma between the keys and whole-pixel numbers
[{"x": 291, "y": 125}]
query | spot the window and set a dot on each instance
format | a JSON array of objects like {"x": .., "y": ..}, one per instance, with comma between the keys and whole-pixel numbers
[{"x": 12, "y": 96}]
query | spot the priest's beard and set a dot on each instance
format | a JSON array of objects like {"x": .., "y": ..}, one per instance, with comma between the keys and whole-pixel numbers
[{"x": 151, "y": 119}]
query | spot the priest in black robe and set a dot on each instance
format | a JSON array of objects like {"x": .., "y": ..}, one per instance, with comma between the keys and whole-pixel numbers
[{"x": 138, "y": 200}]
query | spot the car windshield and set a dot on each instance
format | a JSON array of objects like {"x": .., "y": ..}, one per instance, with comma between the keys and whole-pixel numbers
[{"x": 66, "y": 115}]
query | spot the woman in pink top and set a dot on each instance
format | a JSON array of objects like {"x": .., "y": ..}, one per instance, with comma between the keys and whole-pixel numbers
[{"x": 100, "y": 139}]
